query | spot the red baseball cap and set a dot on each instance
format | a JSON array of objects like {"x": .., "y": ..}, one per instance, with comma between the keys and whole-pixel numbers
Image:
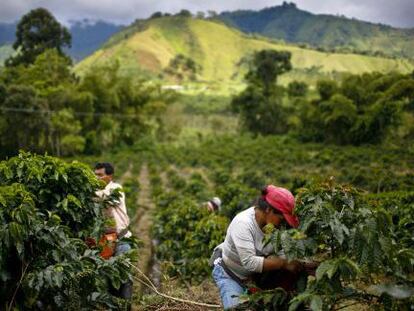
[{"x": 282, "y": 200}]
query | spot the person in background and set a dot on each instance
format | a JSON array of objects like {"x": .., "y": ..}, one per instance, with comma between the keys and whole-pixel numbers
[
  {"x": 213, "y": 205},
  {"x": 243, "y": 254},
  {"x": 118, "y": 215}
]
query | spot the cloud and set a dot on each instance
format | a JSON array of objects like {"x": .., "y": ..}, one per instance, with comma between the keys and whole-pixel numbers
[{"x": 397, "y": 12}]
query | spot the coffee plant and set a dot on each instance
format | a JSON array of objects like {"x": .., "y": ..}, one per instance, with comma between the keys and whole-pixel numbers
[
  {"x": 47, "y": 210},
  {"x": 360, "y": 259}
]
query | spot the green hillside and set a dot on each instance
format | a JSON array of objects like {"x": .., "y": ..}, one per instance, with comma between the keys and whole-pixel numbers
[
  {"x": 291, "y": 24},
  {"x": 147, "y": 48}
]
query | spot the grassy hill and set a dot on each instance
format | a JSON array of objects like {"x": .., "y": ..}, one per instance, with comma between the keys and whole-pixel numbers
[
  {"x": 291, "y": 24},
  {"x": 147, "y": 48}
]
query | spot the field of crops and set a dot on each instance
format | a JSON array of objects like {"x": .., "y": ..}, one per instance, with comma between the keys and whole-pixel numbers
[
  {"x": 364, "y": 235},
  {"x": 369, "y": 227}
]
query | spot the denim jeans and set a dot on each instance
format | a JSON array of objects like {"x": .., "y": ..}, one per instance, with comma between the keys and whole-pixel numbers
[
  {"x": 230, "y": 290},
  {"x": 121, "y": 248},
  {"x": 125, "y": 291}
]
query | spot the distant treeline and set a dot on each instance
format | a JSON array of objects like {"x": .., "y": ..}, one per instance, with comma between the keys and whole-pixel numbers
[
  {"x": 359, "y": 109},
  {"x": 45, "y": 107}
]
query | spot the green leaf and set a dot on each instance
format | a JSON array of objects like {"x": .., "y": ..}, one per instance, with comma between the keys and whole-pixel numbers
[
  {"x": 267, "y": 298},
  {"x": 316, "y": 303},
  {"x": 327, "y": 267},
  {"x": 3, "y": 200},
  {"x": 298, "y": 300},
  {"x": 348, "y": 268},
  {"x": 338, "y": 230},
  {"x": 48, "y": 277},
  {"x": 16, "y": 231},
  {"x": 94, "y": 296}
]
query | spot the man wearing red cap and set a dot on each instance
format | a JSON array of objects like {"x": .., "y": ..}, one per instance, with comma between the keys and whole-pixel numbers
[{"x": 243, "y": 254}]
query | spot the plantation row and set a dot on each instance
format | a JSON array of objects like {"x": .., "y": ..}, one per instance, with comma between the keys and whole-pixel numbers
[
  {"x": 285, "y": 161},
  {"x": 363, "y": 238}
]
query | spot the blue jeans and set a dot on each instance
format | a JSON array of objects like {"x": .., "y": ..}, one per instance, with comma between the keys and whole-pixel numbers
[
  {"x": 125, "y": 291},
  {"x": 230, "y": 290},
  {"x": 122, "y": 247}
]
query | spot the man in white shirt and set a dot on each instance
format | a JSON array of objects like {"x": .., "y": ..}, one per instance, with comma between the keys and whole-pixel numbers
[{"x": 118, "y": 213}]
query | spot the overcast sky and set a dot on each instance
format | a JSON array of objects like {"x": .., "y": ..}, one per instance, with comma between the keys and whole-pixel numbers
[{"x": 399, "y": 13}]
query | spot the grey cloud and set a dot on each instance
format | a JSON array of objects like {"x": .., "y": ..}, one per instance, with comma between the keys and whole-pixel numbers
[{"x": 398, "y": 13}]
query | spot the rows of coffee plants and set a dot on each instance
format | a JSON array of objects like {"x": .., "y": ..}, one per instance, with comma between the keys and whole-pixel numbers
[
  {"x": 283, "y": 160},
  {"x": 130, "y": 185},
  {"x": 186, "y": 232},
  {"x": 48, "y": 210},
  {"x": 362, "y": 237}
]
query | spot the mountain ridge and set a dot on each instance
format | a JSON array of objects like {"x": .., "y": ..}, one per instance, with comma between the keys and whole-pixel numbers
[
  {"x": 149, "y": 46},
  {"x": 294, "y": 25}
]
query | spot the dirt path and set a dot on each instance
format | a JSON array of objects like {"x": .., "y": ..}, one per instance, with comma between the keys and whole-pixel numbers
[{"x": 141, "y": 225}]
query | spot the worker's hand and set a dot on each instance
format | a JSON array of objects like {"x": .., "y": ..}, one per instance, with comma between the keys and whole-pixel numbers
[{"x": 294, "y": 266}]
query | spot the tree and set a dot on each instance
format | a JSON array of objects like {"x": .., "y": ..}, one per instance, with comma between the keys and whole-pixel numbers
[
  {"x": 402, "y": 90},
  {"x": 65, "y": 134},
  {"x": 373, "y": 126},
  {"x": 213, "y": 14},
  {"x": 3, "y": 93},
  {"x": 260, "y": 104},
  {"x": 49, "y": 70},
  {"x": 182, "y": 67},
  {"x": 260, "y": 113},
  {"x": 124, "y": 110},
  {"x": 339, "y": 116},
  {"x": 36, "y": 32},
  {"x": 297, "y": 89},
  {"x": 26, "y": 120},
  {"x": 361, "y": 109},
  {"x": 184, "y": 13},
  {"x": 201, "y": 15},
  {"x": 267, "y": 65},
  {"x": 156, "y": 15},
  {"x": 355, "y": 88},
  {"x": 326, "y": 88}
]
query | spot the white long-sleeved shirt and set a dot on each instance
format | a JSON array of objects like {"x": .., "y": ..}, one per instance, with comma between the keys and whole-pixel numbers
[
  {"x": 117, "y": 212},
  {"x": 243, "y": 249}
]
